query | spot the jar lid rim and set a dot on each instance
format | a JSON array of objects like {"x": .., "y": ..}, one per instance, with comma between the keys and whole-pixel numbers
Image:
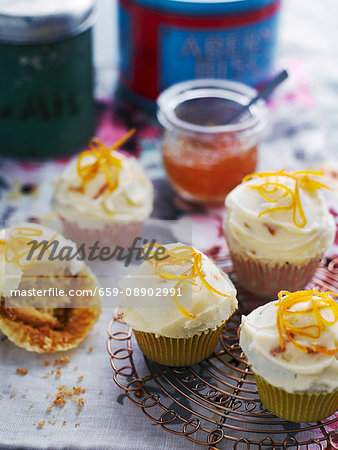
[
  {"x": 172, "y": 97},
  {"x": 40, "y": 21}
]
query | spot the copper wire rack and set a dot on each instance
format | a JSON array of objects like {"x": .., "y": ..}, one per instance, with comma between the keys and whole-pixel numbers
[{"x": 215, "y": 403}]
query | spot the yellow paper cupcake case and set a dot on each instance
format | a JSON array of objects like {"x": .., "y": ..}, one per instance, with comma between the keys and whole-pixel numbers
[
  {"x": 178, "y": 351},
  {"x": 296, "y": 407}
]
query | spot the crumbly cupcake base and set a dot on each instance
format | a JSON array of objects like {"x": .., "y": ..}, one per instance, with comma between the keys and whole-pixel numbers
[
  {"x": 296, "y": 407},
  {"x": 178, "y": 351},
  {"x": 53, "y": 329}
]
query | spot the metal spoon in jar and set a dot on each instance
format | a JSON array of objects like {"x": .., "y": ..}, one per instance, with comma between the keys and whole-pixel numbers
[{"x": 263, "y": 94}]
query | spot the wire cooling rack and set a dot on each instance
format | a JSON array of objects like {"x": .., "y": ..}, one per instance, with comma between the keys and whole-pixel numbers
[{"x": 215, "y": 403}]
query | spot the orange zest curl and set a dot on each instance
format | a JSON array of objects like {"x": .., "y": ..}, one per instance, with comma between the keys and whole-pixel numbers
[
  {"x": 100, "y": 158},
  {"x": 270, "y": 190},
  {"x": 16, "y": 248},
  {"x": 181, "y": 256},
  {"x": 318, "y": 301}
]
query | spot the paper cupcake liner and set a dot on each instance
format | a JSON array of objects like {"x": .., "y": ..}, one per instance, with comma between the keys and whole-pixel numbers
[
  {"x": 112, "y": 235},
  {"x": 296, "y": 407},
  {"x": 178, "y": 351},
  {"x": 267, "y": 279}
]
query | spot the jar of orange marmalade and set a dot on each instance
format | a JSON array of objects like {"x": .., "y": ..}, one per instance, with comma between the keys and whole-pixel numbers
[{"x": 204, "y": 156}]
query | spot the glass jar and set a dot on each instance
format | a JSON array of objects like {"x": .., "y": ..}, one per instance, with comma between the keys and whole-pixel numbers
[
  {"x": 204, "y": 157},
  {"x": 46, "y": 103}
]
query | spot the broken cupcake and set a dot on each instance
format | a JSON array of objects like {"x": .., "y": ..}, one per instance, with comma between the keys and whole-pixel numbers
[{"x": 45, "y": 306}]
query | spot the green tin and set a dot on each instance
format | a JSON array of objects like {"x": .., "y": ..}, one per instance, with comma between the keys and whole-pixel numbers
[{"x": 46, "y": 77}]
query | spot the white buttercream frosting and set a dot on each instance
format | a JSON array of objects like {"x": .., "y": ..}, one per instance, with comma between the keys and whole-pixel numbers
[
  {"x": 291, "y": 369},
  {"x": 11, "y": 273},
  {"x": 274, "y": 236},
  {"x": 131, "y": 200},
  {"x": 159, "y": 315}
]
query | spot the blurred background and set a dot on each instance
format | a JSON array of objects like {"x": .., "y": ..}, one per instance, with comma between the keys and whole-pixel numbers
[
  {"x": 299, "y": 36},
  {"x": 307, "y": 37}
]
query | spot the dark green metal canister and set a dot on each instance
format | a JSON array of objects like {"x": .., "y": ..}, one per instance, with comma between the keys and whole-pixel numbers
[{"x": 46, "y": 77}]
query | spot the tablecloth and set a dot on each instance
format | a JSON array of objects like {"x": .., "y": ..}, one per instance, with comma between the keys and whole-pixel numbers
[{"x": 302, "y": 133}]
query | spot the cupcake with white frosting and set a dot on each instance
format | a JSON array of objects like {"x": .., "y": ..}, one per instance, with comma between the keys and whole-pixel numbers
[
  {"x": 277, "y": 227},
  {"x": 177, "y": 306},
  {"x": 43, "y": 307},
  {"x": 292, "y": 347},
  {"x": 103, "y": 195}
]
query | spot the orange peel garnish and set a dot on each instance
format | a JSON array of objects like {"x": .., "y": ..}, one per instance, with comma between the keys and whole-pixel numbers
[
  {"x": 101, "y": 159},
  {"x": 16, "y": 248},
  {"x": 302, "y": 181},
  {"x": 181, "y": 256},
  {"x": 318, "y": 301}
]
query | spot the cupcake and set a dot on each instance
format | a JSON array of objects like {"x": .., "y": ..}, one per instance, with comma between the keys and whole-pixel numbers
[
  {"x": 42, "y": 308},
  {"x": 277, "y": 227},
  {"x": 103, "y": 195},
  {"x": 177, "y": 305},
  {"x": 292, "y": 347}
]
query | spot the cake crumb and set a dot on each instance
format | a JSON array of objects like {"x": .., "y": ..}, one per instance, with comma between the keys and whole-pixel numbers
[
  {"x": 60, "y": 397},
  {"x": 76, "y": 367},
  {"x": 78, "y": 390},
  {"x": 58, "y": 374},
  {"x": 80, "y": 378},
  {"x": 49, "y": 408},
  {"x": 78, "y": 411},
  {"x": 41, "y": 424},
  {"x": 24, "y": 396},
  {"x": 65, "y": 393},
  {"x": 64, "y": 422},
  {"x": 53, "y": 422},
  {"x": 63, "y": 361},
  {"x": 59, "y": 400},
  {"x": 12, "y": 395},
  {"x": 22, "y": 371},
  {"x": 31, "y": 406},
  {"x": 100, "y": 391},
  {"x": 77, "y": 424},
  {"x": 46, "y": 363},
  {"x": 90, "y": 349}
]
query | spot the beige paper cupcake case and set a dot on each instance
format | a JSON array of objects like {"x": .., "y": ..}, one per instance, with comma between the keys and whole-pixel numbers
[
  {"x": 266, "y": 279},
  {"x": 296, "y": 407},
  {"x": 178, "y": 351}
]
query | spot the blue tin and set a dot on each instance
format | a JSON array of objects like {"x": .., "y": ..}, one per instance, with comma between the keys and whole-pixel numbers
[{"x": 162, "y": 43}]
